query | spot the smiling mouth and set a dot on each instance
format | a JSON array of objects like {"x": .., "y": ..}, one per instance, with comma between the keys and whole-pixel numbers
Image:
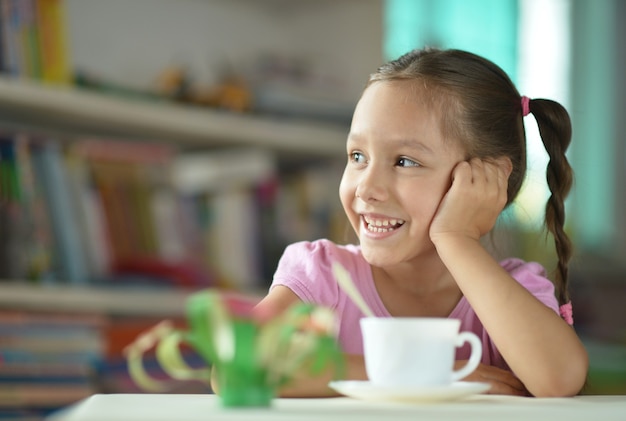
[{"x": 382, "y": 225}]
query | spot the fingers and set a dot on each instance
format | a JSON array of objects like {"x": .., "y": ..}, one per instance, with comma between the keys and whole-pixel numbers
[
  {"x": 490, "y": 178},
  {"x": 503, "y": 382},
  {"x": 475, "y": 199},
  {"x": 499, "y": 388},
  {"x": 482, "y": 172},
  {"x": 489, "y": 171}
]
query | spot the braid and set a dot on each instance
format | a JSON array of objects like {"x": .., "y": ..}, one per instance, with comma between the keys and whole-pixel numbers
[{"x": 556, "y": 132}]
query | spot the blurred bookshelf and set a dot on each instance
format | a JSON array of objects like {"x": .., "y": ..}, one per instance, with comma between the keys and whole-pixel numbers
[
  {"x": 53, "y": 119},
  {"x": 35, "y": 107},
  {"x": 46, "y": 111},
  {"x": 114, "y": 207}
]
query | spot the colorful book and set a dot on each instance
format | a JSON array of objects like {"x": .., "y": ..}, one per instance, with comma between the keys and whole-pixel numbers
[
  {"x": 90, "y": 215},
  {"x": 35, "y": 247},
  {"x": 12, "y": 221},
  {"x": 3, "y": 46},
  {"x": 24, "y": 242},
  {"x": 53, "y": 41},
  {"x": 221, "y": 190},
  {"x": 11, "y": 28},
  {"x": 69, "y": 255},
  {"x": 126, "y": 178},
  {"x": 131, "y": 185},
  {"x": 29, "y": 40}
]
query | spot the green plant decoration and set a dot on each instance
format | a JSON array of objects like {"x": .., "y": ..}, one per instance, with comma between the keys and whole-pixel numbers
[{"x": 252, "y": 359}]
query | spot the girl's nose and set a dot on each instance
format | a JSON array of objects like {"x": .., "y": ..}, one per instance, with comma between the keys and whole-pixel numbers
[{"x": 371, "y": 186}]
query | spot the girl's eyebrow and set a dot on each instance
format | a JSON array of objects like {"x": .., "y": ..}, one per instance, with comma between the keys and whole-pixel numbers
[
  {"x": 401, "y": 142},
  {"x": 414, "y": 144}
]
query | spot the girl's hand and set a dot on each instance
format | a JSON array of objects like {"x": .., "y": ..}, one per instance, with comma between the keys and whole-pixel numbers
[
  {"x": 502, "y": 382},
  {"x": 475, "y": 199}
]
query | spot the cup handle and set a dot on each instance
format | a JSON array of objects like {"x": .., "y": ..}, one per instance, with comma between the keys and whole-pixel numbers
[{"x": 475, "y": 356}]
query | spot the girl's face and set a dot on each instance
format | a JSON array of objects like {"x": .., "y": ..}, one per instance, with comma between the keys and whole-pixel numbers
[{"x": 399, "y": 168}]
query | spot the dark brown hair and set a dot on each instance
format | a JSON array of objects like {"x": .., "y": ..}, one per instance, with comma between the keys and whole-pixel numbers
[{"x": 481, "y": 108}]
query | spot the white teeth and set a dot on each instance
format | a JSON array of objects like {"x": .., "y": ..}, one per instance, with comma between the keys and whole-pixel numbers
[{"x": 382, "y": 225}]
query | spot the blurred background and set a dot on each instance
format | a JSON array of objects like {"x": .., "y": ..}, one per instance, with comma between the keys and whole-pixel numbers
[{"x": 130, "y": 101}]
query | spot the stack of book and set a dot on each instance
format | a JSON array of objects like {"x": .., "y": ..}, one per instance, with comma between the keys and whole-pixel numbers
[{"x": 47, "y": 361}]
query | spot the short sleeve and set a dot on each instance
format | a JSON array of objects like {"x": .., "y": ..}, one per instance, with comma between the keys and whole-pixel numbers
[
  {"x": 533, "y": 277},
  {"x": 305, "y": 268}
]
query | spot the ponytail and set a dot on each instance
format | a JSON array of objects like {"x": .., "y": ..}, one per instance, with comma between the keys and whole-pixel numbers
[{"x": 555, "y": 130}]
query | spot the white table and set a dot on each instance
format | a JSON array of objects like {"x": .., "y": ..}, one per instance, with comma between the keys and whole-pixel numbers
[{"x": 157, "y": 407}]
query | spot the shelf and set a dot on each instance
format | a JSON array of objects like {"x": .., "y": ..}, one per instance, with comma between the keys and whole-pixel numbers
[
  {"x": 67, "y": 111},
  {"x": 144, "y": 302}
]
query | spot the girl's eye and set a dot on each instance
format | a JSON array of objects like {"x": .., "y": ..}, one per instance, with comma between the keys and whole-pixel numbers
[
  {"x": 406, "y": 162},
  {"x": 357, "y": 157}
]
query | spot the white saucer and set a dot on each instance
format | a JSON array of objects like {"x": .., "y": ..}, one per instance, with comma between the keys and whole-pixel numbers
[{"x": 368, "y": 391}]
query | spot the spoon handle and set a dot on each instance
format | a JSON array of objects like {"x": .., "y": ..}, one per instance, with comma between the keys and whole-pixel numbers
[{"x": 347, "y": 284}]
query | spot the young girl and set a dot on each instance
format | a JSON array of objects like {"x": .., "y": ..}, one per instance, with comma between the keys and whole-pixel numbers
[{"x": 436, "y": 150}]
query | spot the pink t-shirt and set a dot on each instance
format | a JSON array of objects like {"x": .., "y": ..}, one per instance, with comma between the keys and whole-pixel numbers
[{"x": 305, "y": 268}]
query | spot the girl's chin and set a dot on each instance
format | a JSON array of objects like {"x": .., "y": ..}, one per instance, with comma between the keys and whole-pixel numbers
[{"x": 379, "y": 256}]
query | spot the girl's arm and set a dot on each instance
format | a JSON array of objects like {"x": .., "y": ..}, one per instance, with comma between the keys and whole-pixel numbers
[{"x": 539, "y": 347}]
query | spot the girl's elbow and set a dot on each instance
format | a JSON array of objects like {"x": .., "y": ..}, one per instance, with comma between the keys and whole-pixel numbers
[
  {"x": 567, "y": 382},
  {"x": 560, "y": 388}
]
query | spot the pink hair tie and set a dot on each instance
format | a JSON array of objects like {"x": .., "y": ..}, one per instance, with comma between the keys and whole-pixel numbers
[
  {"x": 525, "y": 106},
  {"x": 566, "y": 313}
]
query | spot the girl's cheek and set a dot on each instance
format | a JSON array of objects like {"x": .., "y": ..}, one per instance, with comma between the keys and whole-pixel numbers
[{"x": 346, "y": 192}]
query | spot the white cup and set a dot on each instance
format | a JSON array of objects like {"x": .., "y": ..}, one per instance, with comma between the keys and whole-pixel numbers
[{"x": 415, "y": 351}]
